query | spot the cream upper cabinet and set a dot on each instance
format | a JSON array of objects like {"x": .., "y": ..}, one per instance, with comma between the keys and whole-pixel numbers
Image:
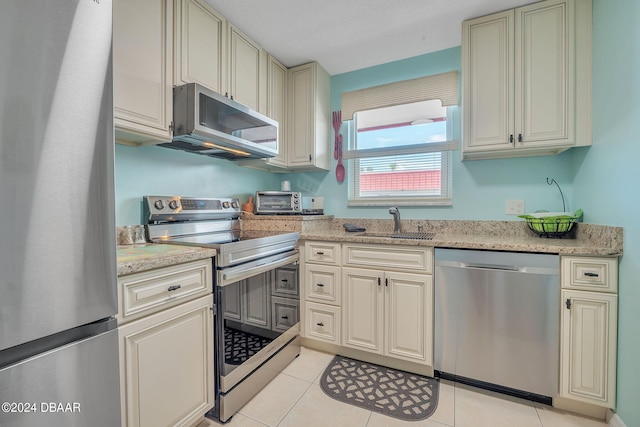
[
  {"x": 308, "y": 119},
  {"x": 142, "y": 71},
  {"x": 589, "y": 330},
  {"x": 200, "y": 45},
  {"x": 247, "y": 70},
  {"x": 526, "y": 80},
  {"x": 277, "y": 77}
]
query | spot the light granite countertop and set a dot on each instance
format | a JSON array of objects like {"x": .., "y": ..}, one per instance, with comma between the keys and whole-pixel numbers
[
  {"x": 487, "y": 242},
  {"x": 585, "y": 239},
  {"x": 143, "y": 257}
]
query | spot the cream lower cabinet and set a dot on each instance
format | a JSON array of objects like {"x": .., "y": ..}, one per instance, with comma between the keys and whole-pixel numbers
[
  {"x": 370, "y": 302},
  {"x": 589, "y": 330},
  {"x": 166, "y": 345},
  {"x": 389, "y": 313}
]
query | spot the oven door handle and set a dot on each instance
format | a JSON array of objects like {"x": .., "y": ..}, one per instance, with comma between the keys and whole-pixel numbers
[{"x": 231, "y": 275}]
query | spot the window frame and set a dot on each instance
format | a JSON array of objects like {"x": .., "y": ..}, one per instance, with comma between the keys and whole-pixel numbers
[{"x": 446, "y": 171}]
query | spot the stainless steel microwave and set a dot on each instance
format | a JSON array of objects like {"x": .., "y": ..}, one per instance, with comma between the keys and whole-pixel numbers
[
  {"x": 278, "y": 203},
  {"x": 210, "y": 124}
]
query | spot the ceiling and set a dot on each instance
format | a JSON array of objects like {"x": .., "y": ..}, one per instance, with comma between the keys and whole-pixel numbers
[{"x": 347, "y": 35}]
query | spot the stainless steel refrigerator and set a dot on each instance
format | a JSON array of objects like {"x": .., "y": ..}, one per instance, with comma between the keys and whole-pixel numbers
[{"x": 58, "y": 337}]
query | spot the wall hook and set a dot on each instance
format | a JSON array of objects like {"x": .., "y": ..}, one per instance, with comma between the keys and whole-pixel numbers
[{"x": 553, "y": 181}]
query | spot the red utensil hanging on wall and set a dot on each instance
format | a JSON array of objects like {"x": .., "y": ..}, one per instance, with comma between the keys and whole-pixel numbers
[
  {"x": 340, "y": 168},
  {"x": 336, "y": 119}
]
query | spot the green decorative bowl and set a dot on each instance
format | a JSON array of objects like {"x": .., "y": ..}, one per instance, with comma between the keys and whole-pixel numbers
[{"x": 552, "y": 224}]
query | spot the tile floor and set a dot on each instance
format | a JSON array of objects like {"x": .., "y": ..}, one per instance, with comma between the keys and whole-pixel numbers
[{"x": 294, "y": 399}]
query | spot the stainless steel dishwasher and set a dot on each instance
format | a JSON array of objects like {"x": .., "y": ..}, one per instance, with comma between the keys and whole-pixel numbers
[{"x": 497, "y": 321}]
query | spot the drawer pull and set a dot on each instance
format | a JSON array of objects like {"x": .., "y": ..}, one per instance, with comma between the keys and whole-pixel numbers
[
  {"x": 285, "y": 317},
  {"x": 320, "y": 324},
  {"x": 284, "y": 280},
  {"x": 320, "y": 285},
  {"x": 591, "y": 274},
  {"x": 174, "y": 288},
  {"x": 319, "y": 253}
]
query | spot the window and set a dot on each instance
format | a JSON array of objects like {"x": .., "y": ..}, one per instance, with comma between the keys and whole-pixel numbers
[{"x": 400, "y": 155}]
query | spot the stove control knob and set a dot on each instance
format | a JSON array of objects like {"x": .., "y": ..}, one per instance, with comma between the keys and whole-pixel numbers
[
  {"x": 159, "y": 204},
  {"x": 234, "y": 204},
  {"x": 174, "y": 204},
  {"x": 225, "y": 205}
]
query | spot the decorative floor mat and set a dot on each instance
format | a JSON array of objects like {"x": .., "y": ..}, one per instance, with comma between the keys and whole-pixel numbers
[
  {"x": 240, "y": 346},
  {"x": 391, "y": 392}
]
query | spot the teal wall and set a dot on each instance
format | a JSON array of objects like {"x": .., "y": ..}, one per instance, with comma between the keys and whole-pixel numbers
[
  {"x": 161, "y": 171},
  {"x": 602, "y": 179},
  {"x": 480, "y": 187},
  {"x": 607, "y": 176}
]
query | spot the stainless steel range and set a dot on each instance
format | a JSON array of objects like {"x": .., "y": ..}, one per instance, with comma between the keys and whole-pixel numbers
[{"x": 256, "y": 291}]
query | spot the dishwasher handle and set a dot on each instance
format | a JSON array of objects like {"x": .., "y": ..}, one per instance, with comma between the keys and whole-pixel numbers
[{"x": 497, "y": 267}]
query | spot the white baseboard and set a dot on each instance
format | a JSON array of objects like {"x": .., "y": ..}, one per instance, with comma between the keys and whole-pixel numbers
[{"x": 615, "y": 421}]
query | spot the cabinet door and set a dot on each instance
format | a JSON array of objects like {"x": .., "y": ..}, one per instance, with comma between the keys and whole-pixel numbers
[
  {"x": 363, "y": 309},
  {"x": 409, "y": 317},
  {"x": 142, "y": 70},
  {"x": 487, "y": 79},
  {"x": 166, "y": 364},
  {"x": 232, "y": 301},
  {"x": 277, "y": 106},
  {"x": 589, "y": 347},
  {"x": 245, "y": 68},
  {"x": 301, "y": 95},
  {"x": 256, "y": 300},
  {"x": 200, "y": 45},
  {"x": 544, "y": 73}
]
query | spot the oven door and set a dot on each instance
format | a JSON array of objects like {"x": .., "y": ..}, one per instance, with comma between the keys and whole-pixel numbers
[{"x": 258, "y": 314}]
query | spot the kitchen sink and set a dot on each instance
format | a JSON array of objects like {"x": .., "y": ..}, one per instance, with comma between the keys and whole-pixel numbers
[{"x": 401, "y": 235}]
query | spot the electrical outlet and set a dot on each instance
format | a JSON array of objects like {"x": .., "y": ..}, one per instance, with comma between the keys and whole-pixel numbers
[{"x": 515, "y": 207}]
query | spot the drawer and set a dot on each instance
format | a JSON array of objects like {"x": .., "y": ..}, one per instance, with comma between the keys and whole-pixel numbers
[
  {"x": 144, "y": 293},
  {"x": 285, "y": 313},
  {"x": 322, "y": 322},
  {"x": 595, "y": 274},
  {"x": 389, "y": 257},
  {"x": 322, "y": 284},
  {"x": 322, "y": 252},
  {"x": 285, "y": 283}
]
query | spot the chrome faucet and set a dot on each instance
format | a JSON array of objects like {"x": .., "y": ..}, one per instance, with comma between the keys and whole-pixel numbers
[{"x": 396, "y": 219}]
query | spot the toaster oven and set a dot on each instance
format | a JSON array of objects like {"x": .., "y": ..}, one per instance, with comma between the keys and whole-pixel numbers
[{"x": 278, "y": 203}]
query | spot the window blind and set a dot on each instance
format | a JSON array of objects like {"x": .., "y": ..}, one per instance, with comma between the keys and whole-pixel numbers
[{"x": 438, "y": 86}]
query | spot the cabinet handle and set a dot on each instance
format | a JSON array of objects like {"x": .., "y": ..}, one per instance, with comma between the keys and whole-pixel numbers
[
  {"x": 285, "y": 317},
  {"x": 319, "y": 253},
  {"x": 590, "y": 274},
  {"x": 320, "y": 324},
  {"x": 174, "y": 288},
  {"x": 284, "y": 280},
  {"x": 511, "y": 139},
  {"x": 519, "y": 137},
  {"x": 309, "y": 157},
  {"x": 320, "y": 285},
  {"x": 378, "y": 281},
  {"x": 568, "y": 303},
  {"x": 386, "y": 281}
]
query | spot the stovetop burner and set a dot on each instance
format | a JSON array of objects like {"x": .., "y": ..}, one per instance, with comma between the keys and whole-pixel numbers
[{"x": 212, "y": 223}]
